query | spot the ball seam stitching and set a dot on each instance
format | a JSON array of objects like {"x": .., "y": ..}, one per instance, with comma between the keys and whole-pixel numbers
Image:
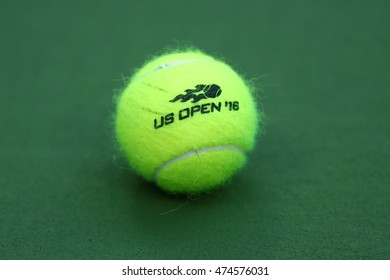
[
  {"x": 172, "y": 64},
  {"x": 193, "y": 153}
]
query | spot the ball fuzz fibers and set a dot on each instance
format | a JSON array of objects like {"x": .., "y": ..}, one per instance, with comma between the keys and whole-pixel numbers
[{"x": 186, "y": 121}]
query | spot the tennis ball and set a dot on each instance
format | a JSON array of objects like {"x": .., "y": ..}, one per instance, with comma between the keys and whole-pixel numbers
[{"x": 186, "y": 121}]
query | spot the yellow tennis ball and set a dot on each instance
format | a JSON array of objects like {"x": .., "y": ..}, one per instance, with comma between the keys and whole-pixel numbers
[{"x": 186, "y": 121}]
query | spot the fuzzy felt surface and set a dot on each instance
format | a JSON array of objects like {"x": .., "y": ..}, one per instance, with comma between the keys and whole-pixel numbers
[
  {"x": 182, "y": 102},
  {"x": 200, "y": 171}
]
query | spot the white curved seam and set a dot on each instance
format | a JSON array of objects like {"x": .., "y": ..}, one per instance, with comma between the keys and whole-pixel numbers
[
  {"x": 173, "y": 64},
  {"x": 197, "y": 153}
]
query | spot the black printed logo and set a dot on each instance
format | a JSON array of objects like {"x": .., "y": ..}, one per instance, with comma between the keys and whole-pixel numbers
[
  {"x": 200, "y": 92},
  {"x": 190, "y": 111}
]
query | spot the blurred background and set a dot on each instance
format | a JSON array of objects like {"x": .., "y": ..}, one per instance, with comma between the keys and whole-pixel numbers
[{"x": 316, "y": 186}]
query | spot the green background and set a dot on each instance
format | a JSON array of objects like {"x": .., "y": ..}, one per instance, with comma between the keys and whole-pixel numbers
[{"x": 317, "y": 185}]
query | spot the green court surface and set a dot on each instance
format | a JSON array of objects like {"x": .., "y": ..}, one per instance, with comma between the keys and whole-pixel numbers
[{"x": 317, "y": 185}]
